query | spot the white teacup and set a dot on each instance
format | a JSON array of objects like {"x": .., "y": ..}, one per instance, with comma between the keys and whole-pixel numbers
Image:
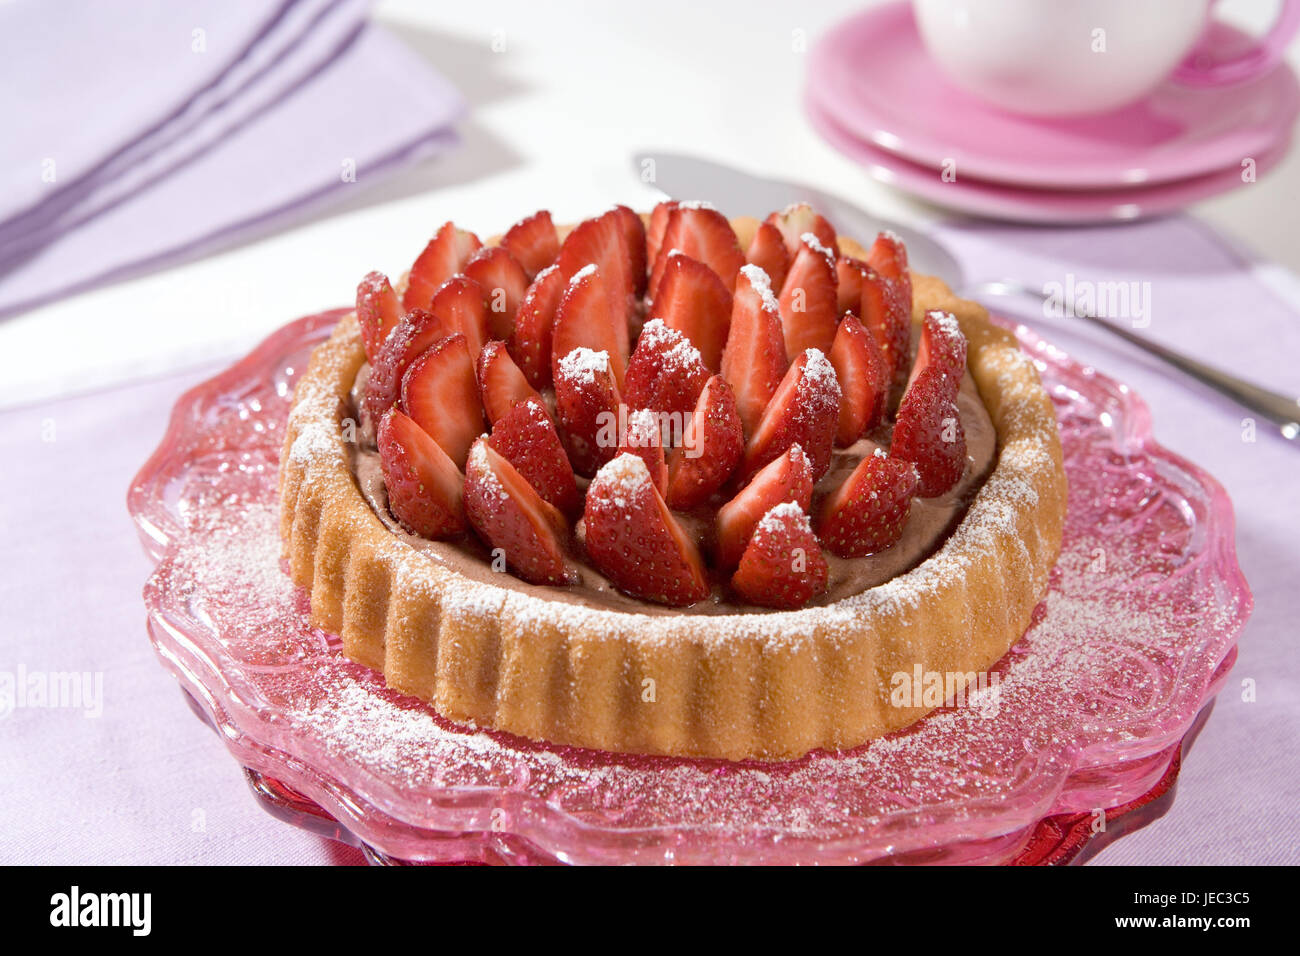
[{"x": 1074, "y": 57}]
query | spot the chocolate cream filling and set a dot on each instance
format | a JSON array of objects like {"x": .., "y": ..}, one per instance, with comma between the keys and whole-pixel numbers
[{"x": 929, "y": 523}]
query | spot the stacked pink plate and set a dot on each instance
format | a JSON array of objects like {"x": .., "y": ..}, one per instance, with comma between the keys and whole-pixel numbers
[{"x": 874, "y": 93}]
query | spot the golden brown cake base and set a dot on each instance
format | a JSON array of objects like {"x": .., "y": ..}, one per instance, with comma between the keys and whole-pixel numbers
[{"x": 769, "y": 685}]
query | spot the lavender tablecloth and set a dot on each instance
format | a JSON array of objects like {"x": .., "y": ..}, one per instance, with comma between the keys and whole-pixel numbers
[{"x": 144, "y": 781}]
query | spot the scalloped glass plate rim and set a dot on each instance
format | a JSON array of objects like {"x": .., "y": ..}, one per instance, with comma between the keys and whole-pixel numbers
[{"x": 460, "y": 808}]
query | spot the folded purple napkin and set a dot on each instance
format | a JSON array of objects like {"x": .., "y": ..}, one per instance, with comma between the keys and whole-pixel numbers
[
  {"x": 302, "y": 40},
  {"x": 319, "y": 103}
]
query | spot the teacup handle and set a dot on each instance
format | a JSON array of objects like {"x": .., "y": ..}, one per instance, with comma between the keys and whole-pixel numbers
[{"x": 1197, "y": 71}]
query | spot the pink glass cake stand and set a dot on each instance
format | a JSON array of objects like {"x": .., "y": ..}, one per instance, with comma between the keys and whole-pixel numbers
[{"x": 1094, "y": 705}]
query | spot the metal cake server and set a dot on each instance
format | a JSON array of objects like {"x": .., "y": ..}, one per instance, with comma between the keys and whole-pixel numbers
[{"x": 741, "y": 193}]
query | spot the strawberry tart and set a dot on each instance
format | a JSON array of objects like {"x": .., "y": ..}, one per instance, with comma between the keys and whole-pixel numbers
[{"x": 670, "y": 484}]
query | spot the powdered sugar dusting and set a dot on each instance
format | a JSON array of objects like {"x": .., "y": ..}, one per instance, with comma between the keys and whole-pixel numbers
[
  {"x": 675, "y": 350},
  {"x": 588, "y": 269},
  {"x": 779, "y": 516},
  {"x": 812, "y": 242},
  {"x": 620, "y": 479},
  {"x": 582, "y": 365},
  {"x": 762, "y": 284}
]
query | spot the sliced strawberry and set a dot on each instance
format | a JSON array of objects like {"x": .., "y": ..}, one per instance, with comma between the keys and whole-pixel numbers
[
  {"x": 754, "y": 360},
  {"x": 888, "y": 317},
  {"x": 459, "y": 306},
  {"x": 531, "y": 343},
  {"x": 585, "y": 319},
  {"x": 654, "y": 235},
  {"x": 513, "y": 519},
  {"x": 799, "y": 218},
  {"x": 863, "y": 377},
  {"x": 808, "y": 299},
  {"x": 440, "y": 394},
  {"x": 587, "y": 404},
  {"x": 805, "y": 410},
  {"x": 504, "y": 284},
  {"x": 444, "y": 256},
  {"x": 888, "y": 256},
  {"x": 527, "y": 437},
  {"x": 782, "y": 566},
  {"x": 500, "y": 383},
  {"x": 377, "y": 312},
  {"x": 643, "y": 437},
  {"x": 849, "y": 276},
  {"x": 424, "y": 485},
  {"x": 634, "y": 240},
  {"x": 634, "y": 540},
  {"x": 703, "y": 233},
  {"x": 693, "y": 300},
  {"x": 533, "y": 242},
  {"x": 603, "y": 242},
  {"x": 711, "y": 447},
  {"x": 943, "y": 344},
  {"x": 787, "y": 478},
  {"x": 414, "y": 334},
  {"x": 928, "y": 432},
  {"x": 767, "y": 251},
  {"x": 867, "y": 513},
  {"x": 665, "y": 372}
]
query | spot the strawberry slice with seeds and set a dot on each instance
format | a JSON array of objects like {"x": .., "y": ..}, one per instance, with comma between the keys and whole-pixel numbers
[
  {"x": 424, "y": 485},
  {"x": 504, "y": 284},
  {"x": 527, "y": 437},
  {"x": 888, "y": 256},
  {"x": 377, "y": 312},
  {"x": 444, "y": 256},
  {"x": 783, "y": 566},
  {"x": 654, "y": 235},
  {"x": 643, "y": 437},
  {"x": 928, "y": 432},
  {"x": 414, "y": 334},
  {"x": 585, "y": 319},
  {"x": 440, "y": 394},
  {"x": 703, "y": 233},
  {"x": 849, "y": 276},
  {"x": 767, "y": 251},
  {"x": 533, "y": 242},
  {"x": 867, "y": 513},
  {"x": 500, "y": 383},
  {"x": 754, "y": 359},
  {"x": 458, "y": 305},
  {"x": 666, "y": 372},
  {"x": 805, "y": 410},
  {"x": 808, "y": 299},
  {"x": 513, "y": 519},
  {"x": 864, "y": 380},
  {"x": 587, "y": 404},
  {"x": 634, "y": 540},
  {"x": 888, "y": 316},
  {"x": 534, "y": 322},
  {"x": 634, "y": 241},
  {"x": 711, "y": 447},
  {"x": 799, "y": 218},
  {"x": 693, "y": 300},
  {"x": 787, "y": 478},
  {"x": 943, "y": 344},
  {"x": 603, "y": 242}
]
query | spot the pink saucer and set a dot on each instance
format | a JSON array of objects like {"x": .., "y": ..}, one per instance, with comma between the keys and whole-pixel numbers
[
  {"x": 997, "y": 201},
  {"x": 872, "y": 75}
]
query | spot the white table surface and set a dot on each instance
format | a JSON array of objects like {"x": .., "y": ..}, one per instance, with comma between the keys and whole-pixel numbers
[{"x": 571, "y": 91}]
